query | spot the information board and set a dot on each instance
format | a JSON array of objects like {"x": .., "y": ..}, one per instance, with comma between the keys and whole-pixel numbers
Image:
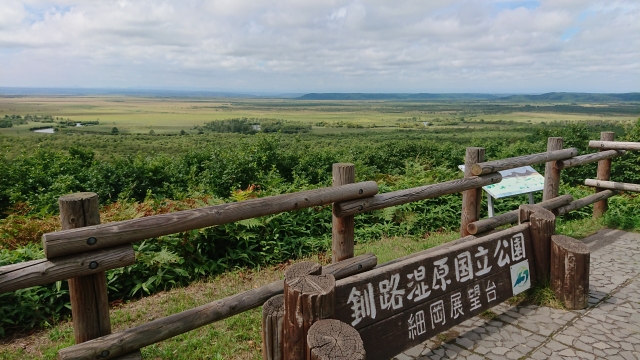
[
  {"x": 516, "y": 181},
  {"x": 401, "y": 305}
]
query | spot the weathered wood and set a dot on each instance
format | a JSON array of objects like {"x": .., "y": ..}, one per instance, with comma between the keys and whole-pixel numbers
[
  {"x": 43, "y": 271},
  {"x": 551, "y": 173},
  {"x": 272, "y": 328},
  {"x": 612, "y": 185},
  {"x": 164, "y": 328},
  {"x": 403, "y": 285},
  {"x": 386, "y": 338},
  {"x": 587, "y": 159},
  {"x": 484, "y": 225},
  {"x": 307, "y": 299},
  {"x": 303, "y": 268},
  {"x": 426, "y": 251},
  {"x": 471, "y": 198},
  {"x": 614, "y": 145},
  {"x": 342, "y": 228},
  {"x": 331, "y": 339},
  {"x": 587, "y": 200},
  {"x": 604, "y": 173},
  {"x": 514, "y": 162},
  {"x": 122, "y": 232},
  {"x": 543, "y": 225},
  {"x": 400, "y": 197},
  {"x": 89, "y": 298},
  {"x": 570, "y": 260}
]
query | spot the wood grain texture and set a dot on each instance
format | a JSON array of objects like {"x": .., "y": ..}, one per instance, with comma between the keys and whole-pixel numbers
[
  {"x": 155, "y": 331},
  {"x": 272, "y": 328},
  {"x": 587, "y": 200},
  {"x": 588, "y": 158},
  {"x": 88, "y": 294},
  {"x": 471, "y": 198},
  {"x": 303, "y": 268},
  {"x": 543, "y": 226},
  {"x": 614, "y": 145},
  {"x": 551, "y": 173},
  {"x": 570, "y": 271},
  {"x": 514, "y": 162},
  {"x": 604, "y": 173},
  {"x": 612, "y": 185},
  {"x": 122, "y": 232},
  {"x": 331, "y": 339},
  {"x": 366, "y": 298},
  {"x": 400, "y": 197},
  {"x": 307, "y": 299},
  {"x": 510, "y": 217},
  {"x": 43, "y": 271},
  {"x": 386, "y": 338},
  {"x": 342, "y": 228}
]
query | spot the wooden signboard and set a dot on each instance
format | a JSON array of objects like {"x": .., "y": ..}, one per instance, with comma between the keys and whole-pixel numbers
[{"x": 399, "y": 306}]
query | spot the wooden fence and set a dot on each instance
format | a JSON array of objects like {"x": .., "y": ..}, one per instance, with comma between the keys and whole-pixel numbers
[{"x": 314, "y": 303}]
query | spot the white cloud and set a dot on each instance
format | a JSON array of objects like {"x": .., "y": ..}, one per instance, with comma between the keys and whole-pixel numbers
[{"x": 334, "y": 45}]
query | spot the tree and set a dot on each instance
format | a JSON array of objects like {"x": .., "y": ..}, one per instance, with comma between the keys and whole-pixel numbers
[{"x": 114, "y": 130}]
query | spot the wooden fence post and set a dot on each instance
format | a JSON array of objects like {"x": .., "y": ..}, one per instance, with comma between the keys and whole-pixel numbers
[
  {"x": 551, "y": 172},
  {"x": 89, "y": 302},
  {"x": 604, "y": 173},
  {"x": 471, "y": 199},
  {"x": 89, "y": 298},
  {"x": 332, "y": 339},
  {"x": 342, "y": 229},
  {"x": 272, "y": 328},
  {"x": 543, "y": 225},
  {"x": 307, "y": 299},
  {"x": 570, "y": 260}
]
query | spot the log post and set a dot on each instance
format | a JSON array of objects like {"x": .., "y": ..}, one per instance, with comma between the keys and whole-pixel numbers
[
  {"x": 332, "y": 339},
  {"x": 342, "y": 229},
  {"x": 604, "y": 173},
  {"x": 551, "y": 172},
  {"x": 272, "y": 328},
  {"x": 307, "y": 299},
  {"x": 570, "y": 260},
  {"x": 543, "y": 226},
  {"x": 89, "y": 302},
  {"x": 471, "y": 199},
  {"x": 89, "y": 298}
]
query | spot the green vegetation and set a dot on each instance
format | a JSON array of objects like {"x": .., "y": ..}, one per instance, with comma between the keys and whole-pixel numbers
[{"x": 140, "y": 168}]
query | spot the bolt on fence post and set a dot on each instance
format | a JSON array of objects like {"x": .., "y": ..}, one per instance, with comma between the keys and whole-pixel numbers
[
  {"x": 551, "y": 173},
  {"x": 471, "y": 199},
  {"x": 604, "y": 173},
  {"x": 88, "y": 294},
  {"x": 342, "y": 229}
]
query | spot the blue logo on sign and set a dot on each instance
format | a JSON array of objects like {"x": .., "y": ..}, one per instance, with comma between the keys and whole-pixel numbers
[{"x": 523, "y": 277}]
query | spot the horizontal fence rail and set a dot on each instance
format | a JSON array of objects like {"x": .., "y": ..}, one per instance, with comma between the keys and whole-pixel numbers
[
  {"x": 400, "y": 197},
  {"x": 92, "y": 249},
  {"x": 510, "y": 217},
  {"x": 588, "y": 158},
  {"x": 43, "y": 271},
  {"x": 587, "y": 200},
  {"x": 612, "y": 185},
  {"x": 514, "y": 162},
  {"x": 616, "y": 145},
  {"x": 124, "y": 342},
  {"x": 122, "y": 232}
]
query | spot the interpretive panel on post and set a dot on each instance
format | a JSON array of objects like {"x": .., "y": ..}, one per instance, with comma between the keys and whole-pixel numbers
[{"x": 412, "y": 300}]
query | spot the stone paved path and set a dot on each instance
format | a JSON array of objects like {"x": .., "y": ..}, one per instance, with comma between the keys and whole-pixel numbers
[{"x": 608, "y": 329}]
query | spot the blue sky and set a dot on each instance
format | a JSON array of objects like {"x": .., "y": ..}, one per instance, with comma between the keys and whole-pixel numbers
[{"x": 496, "y": 46}]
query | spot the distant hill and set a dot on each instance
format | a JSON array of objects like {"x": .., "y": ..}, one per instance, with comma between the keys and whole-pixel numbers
[
  {"x": 575, "y": 97},
  {"x": 392, "y": 96},
  {"x": 549, "y": 97}
]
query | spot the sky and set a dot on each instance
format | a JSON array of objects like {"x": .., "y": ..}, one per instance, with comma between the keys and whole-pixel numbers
[{"x": 298, "y": 46}]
